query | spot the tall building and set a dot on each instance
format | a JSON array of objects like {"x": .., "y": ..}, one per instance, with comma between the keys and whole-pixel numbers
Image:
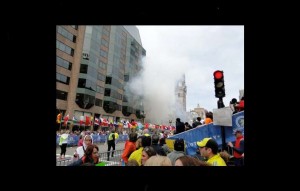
[
  {"x": 93, "y": 66},
  {"x": 180, "y": 92}
]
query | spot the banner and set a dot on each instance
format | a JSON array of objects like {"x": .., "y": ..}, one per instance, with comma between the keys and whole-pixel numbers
[
  {"x": 214, "y": 131},
  {"x": 238, "y": 121}
]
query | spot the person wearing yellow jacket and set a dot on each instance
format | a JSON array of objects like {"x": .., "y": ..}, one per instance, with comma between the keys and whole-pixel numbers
[
  {"x": 111, "y": 143},
  {"x": 208, "y": 148}
]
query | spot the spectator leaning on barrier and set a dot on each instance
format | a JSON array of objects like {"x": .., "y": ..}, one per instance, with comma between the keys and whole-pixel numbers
[
  {"x": 209, "y": 149},
  {"x": 238, "y": 148},
  {"x": 91, "y": 156},
  {"x": 87, "y": 140}
]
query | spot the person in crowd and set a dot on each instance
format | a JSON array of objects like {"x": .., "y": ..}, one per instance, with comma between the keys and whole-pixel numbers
[
  {"x": 197, "y": 122},
  {"x": 238, "y": 148},
  {"x": 146, "y": 132},
  {"x": 158, "y": 149},
  {"x": 209, "y": 149},
  {"x": 111, "y": 143},
  {"x": 87, "y": 140},
  {"x": 133, "y": 125},
  {"x": 132, "y": 162},
  {"x": 240, "y": 105},
  {"x": 164, "y": 146},
  {"x": 187, "y": 126},
  {"x": 80, "y": 142},
  {"x": 229, "y": 159},
  {"x": 142, "y": 142},
  {"x": 63, "y": 143},
  {"x": 158, "y": 160},
  {"x": 209, "y": 118},
  {"x": 179, "y": 126},
  {"x": 91, "y": 156},
  {"x": 232, "y": 105},
  {"x": 189, "y": 161},
  {"x": 130, "y": 146},
  {"x": 178, "y": 150},
  {"x": 148, "y": 152}
]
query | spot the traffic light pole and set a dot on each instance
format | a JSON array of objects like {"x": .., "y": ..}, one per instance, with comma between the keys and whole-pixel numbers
[{"x": 221, "y": 105}]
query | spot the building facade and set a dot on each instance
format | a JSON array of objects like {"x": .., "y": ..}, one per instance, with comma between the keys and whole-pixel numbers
[{"x": 93, "y": 66}]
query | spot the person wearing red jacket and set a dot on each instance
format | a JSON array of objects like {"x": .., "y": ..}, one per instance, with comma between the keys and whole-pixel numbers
[
  {"x": 130, "y": 146},
  {"x": 238, "y": 148}
]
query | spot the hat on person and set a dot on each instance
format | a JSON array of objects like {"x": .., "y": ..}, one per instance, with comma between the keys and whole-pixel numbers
[{"x": 208, "y": 142}]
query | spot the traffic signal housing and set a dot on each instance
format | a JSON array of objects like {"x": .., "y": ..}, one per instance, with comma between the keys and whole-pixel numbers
[{"x": 219, "y": 84}]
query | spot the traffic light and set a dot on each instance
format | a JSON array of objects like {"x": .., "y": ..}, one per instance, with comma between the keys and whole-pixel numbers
[{"x": 219, "y": 84}]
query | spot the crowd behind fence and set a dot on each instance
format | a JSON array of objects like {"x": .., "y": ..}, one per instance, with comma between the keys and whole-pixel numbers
[{"x": 73, "y": 139}]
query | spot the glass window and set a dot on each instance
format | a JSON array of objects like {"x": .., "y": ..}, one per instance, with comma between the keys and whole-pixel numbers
[
  {"x": 83, "y": 68},
  {"x": 62, "y": 78},
  {"x": 61, "y": 95}
]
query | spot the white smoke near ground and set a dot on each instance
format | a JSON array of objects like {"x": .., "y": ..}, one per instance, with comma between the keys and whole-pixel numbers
[{"x": 156, "y": 84}]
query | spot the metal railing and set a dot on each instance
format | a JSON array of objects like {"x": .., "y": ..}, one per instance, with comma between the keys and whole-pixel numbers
[{"x": 110, "y": 158}]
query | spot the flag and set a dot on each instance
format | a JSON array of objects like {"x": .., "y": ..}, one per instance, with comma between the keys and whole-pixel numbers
[
  {"x": 58, "y": 118},
  {"x": 96, "y": 121},
  {"x": 74, "y": 119},
  {"x": 66, "y": 120},
  {"x": 81, "y": 120},
  {"x": 87, "y": 121},
  {"x": 91, "y": 121}
]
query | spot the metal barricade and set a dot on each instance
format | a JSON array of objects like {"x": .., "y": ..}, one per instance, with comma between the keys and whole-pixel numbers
[
  {"x": 63, "y": 162},
  {"x": 111, "y": 158}
]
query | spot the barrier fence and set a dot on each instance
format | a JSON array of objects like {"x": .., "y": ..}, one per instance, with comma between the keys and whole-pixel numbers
[
  {"x": 73, "y": 139},
  {"x": 105, "y": 158}
]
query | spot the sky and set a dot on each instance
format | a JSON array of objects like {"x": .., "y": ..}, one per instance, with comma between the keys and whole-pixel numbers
[{"x": 196, "y": 52}]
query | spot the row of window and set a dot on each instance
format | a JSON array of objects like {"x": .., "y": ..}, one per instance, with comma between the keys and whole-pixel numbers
[
  {"x": 61, "y": 46},
  {"x": 63, "y": 63},
  {"x": 66, "y": 34},
  {"x": 62, "y": 78},
  {"x": 87, "y": 101}
]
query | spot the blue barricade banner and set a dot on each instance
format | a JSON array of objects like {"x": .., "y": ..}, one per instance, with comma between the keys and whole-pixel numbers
[
  {"x": 214, "y": 131},
  {"x": 238, "y": 121}
]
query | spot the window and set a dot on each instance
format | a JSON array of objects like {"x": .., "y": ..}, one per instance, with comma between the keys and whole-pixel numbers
[
  {"x": 83, "y": 68},
  {"x": 107, "y": 92},
  {"x": 108, "y": 80},
  {"x": 61, "y": 95},
  {"x": 98, "y": 102},
  {"x": 62, "y": 78},
  {"x": 63, "y": 63}
]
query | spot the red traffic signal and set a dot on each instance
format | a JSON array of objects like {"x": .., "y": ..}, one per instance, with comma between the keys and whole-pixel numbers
[
  {"x": 218, "y": 74},
  {"x": 219, "y": 84}
]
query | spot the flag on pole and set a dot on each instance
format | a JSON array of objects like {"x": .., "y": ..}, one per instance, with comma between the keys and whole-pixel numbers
[
  {"x": 91, "y": 120},
  {"x": 74, "y": 119},
  {"x": 58, "y": 118},
  {"x": 87, "y": 120},
  {"x": 96, "y": 121},
  {"x": 66, "y": 119},
  {"x": 81, "y": 120}
]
